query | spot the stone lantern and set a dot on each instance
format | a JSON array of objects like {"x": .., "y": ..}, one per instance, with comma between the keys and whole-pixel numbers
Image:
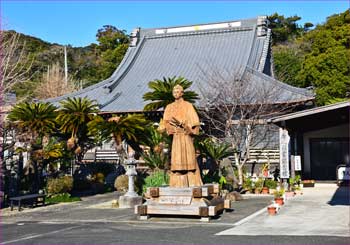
[{"x": 131, "y": 198}]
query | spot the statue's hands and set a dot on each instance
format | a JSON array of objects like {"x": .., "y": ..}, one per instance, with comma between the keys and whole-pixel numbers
[{"x": 176, "y": 123}]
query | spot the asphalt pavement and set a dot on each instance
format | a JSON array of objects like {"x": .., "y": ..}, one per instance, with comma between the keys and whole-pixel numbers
[{"x": 319, "y": 216}]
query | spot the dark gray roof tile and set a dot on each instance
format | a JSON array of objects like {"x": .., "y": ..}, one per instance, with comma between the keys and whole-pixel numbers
[{"x": 184, "y": 53}]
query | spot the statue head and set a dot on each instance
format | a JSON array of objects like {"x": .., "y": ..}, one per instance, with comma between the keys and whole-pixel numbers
[{"x": 178, "y": 91}]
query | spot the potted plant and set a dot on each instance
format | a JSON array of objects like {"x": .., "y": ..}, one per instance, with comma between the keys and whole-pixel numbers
[
  {"x": 279, "y": 196},
  {"x": 248, "y": 185},
  {"x": 294, "y": 184},
  {"x": 298, "y": 190},
  {"x": 259, "y": 183},
  {"x": 272, "y": 209},
  {"x": 270, "y": 184},
  {"x": 309, "y": 183},
  {"x": 265, "y": 190},
  {"x": 265, "y": 169}
]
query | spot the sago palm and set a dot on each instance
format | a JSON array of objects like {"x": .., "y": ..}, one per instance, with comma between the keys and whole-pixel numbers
[
  {"x": 215, "y": 150},
  {"x": 75, "y": 113},
  {"x": 118, "y": 128},
  {"x": 73, "y": 117},
  {"x": 161, "y": 94},
  {"x": 33, "y": 119},
  {"x": 154, "y": 139}
]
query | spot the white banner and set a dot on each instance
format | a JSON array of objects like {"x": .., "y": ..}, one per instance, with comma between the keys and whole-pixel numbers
[
  {"x": 284, "y": 154},
  {"x": 297, "y": 163}
]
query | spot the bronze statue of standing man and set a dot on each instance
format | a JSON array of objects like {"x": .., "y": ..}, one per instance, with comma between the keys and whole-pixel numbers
[{"x": 181, "y": 121}]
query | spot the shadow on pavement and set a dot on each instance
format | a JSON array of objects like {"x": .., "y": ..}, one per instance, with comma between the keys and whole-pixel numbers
[{"x": 341, "y": 196}]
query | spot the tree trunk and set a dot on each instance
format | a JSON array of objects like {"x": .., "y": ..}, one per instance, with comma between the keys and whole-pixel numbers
[
  {"x": 240, "y": 174},
  {"x": 239, "y": 168}
]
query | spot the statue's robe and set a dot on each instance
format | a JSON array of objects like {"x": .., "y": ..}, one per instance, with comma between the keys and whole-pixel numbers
[{"x": 184, "y": 167}]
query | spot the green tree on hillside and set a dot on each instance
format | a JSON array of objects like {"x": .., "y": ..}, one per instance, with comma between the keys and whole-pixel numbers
[
  {"x": 318, "y": 58},
  {"x": 287, "y": 64},
  {"x": 113, "y": 44},
  {"x": 285, "y": 29},
  {"x": 326, "y": 64}
]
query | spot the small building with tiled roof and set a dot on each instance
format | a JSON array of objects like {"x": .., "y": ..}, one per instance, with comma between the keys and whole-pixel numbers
[
  {"x": 320, "y": 136},
  {"x": 241, "y": 47}
]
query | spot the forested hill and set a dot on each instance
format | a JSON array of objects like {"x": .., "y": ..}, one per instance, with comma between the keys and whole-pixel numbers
[
  {"x": 303, "y": 56},
  {"x": 86, "y": 65},
  {"x": 319, "y": 57}
]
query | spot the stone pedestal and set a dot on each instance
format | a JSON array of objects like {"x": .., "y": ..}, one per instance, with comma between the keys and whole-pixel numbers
[
  {"x": 129, "y": 201},
  {"x": 203, "y": 201}
]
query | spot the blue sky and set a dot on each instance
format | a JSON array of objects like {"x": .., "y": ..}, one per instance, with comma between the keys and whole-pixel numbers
[{"x": 76, "y": 22}]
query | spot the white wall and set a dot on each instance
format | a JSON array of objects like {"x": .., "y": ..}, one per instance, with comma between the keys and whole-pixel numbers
[{"x": 340, "y": 131}]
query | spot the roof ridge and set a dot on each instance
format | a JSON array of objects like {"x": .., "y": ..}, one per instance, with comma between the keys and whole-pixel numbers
[
  {"x": 302, "y": 91},
  {"x": 201, "y": 24},
  {"x": 199, "y": 32},
  {"x": 253, "y": 41},
  {"x": 263, "y": 57}
]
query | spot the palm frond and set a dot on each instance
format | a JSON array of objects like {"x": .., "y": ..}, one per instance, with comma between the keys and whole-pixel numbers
[
  {"x": 161, "y": 94},
  {"x": 38, "y": 118}
]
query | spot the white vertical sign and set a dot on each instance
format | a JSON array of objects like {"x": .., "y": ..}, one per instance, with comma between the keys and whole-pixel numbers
[
  {"x": 284, "y": 154},
  {"x": 297, "y": 163}
]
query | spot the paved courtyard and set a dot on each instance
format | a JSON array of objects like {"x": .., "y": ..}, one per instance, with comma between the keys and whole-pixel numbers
[{"x": 320, "y": 216}]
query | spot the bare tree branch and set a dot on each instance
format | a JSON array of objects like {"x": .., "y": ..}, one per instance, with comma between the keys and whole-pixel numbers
[
  {"x": 236, "y": 109},
  {"x": 15, "y": 63},
  {"x": 53, "y": 83}
]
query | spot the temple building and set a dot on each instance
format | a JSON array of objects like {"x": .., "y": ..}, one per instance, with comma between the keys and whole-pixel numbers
[{"x": 243, "y": 48}]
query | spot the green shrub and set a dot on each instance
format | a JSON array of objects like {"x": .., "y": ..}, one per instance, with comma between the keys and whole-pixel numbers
[
  {"x": 278, "y": 193},
  {"x": 156, "y": 179},
  {"x": 270, "y": 183},
  {"x": 248, "y": 184},
  {"x": 60, "y": 185},
  {"x": 155, "y": 160},
  {"x": 62, "y": 197},
  {"x": 259, "y": 183}
]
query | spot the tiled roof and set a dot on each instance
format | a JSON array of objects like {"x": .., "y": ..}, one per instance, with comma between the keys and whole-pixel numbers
[{"x": 187, "y": 52}]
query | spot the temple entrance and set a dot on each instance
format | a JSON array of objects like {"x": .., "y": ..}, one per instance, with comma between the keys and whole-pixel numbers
[{"x": 326, "y": 154}]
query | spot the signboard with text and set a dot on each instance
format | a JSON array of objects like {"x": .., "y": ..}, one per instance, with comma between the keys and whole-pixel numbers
[
  {"x": 284, "y": 154},
  {"x": 297, "y": 163}
]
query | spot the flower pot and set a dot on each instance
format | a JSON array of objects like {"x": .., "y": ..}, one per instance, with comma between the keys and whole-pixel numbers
[
  {"x": 279, "y": 201},
  {"x": 265, "y": 190},
  {"x": 272, "y": 210}
]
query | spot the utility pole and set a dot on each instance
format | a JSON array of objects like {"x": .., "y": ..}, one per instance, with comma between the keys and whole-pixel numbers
[{"x": 65, "y": 66}]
